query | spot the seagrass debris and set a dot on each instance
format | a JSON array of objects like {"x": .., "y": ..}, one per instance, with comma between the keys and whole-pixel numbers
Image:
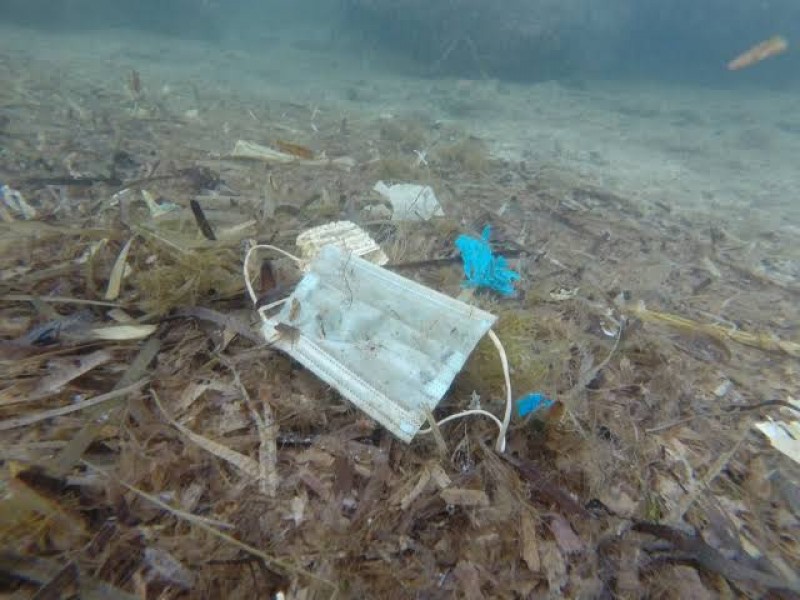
[
  {"x": 764, "y": 341},
  {"x": 351, "y": 506}
]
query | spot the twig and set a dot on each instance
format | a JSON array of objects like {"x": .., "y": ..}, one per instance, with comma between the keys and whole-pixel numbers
[
  {"x": 41, "y": 570},
  {"x": 65, "y": 460},
  {"x": 213, "y": 316},
  {"x": 57, "y": 300},
  {"x": 66, "y": 578},
  {"x": 448, "y": 260},
  {"x": 708, "y": 558},
  {"x": 244, "y": 463},
  {"x": 441, "y": 445},
  {"x": 202, "y": 221},
  {"x": 712, "y": 473},
  {"x": 544, "y": 488},
  {"x": 267, "y": 434},
  {"x": 585, "y": 378},
  {"x": 74, "y": 181},
  {"x": 65, "y": 410},
  {"x": 727, "y": 411},
  {"x": 271, "y": 561}
]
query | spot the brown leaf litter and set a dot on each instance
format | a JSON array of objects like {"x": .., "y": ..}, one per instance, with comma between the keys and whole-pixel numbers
[{"x": 153, "y": 446}]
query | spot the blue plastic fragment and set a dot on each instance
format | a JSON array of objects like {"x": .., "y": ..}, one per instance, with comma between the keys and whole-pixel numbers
[
  {"x": 482, "y": 268},
  {"x": 531, "y": 403}
]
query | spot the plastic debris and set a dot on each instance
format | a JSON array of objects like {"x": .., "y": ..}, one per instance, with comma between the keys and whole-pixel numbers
[
  {"x": 531, "y": 403},
  {"x": 345, "y": 235},
  {"x": 158, "y": 209},
  {"x": 410, "y": 202},
  {"x": 783, "y": 435},
  {"x": 482, "y": 268},
  {"x": 14, "y": 200},
  {"x": 774, "y": 46},
  {"x": 388, "y": 344}
]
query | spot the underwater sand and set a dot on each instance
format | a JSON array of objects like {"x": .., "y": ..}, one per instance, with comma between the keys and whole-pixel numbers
[
  {"x": 654, "y": 172},
  {"x": 732, "y": 153}
]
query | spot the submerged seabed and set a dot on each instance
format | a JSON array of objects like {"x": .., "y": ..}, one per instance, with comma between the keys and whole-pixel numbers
[{"x": 667, "y": 210}]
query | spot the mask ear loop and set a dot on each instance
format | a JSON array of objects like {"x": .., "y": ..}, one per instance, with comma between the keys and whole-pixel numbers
[
  {"x": 501, "y": 438},
  {"x": 249, "y": 285},
  {"x": 502, "y": 426},
  {"x": 246, "y": 269},
  {"x": 262, "y": 311}
]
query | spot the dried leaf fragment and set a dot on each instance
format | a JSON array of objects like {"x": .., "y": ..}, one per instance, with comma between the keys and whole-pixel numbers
[
  {"x": 253, "y": 151},
  {"x": 688, "y": 583},
  {"x": 567, "y": 541},
  {"x": 24, "y": 510},
  {"x": 202, "y": 220},
  {"x": 120, "y": 333},
  {"x": 554, "y": 566},
  {"x": 298, "y": 506},
  {"x": 167, "y": 568},
  {"x": 619, "y": 499},
  {"x": 294, "y": 149},
  {"x": 530, "y": 548},
  {"x": 415, "y": 492},
  {"x": 244, "y": 463},
  {"x": 70, "y": 371},
  {"x": 469, "y": 581},
  {"x": 628, "y": 581},
  {"x": 118, "y": 272},
  {"x": 211, "y": 527},
  {"x": 32, "y": 418},
  {"x": 464, "y": 497},
  {"x": 439, "y": 477},
  {"x": 43, "y": 570}
]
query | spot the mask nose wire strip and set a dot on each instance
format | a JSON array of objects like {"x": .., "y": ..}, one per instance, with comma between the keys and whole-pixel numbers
[{"x": 500, "y": 445}]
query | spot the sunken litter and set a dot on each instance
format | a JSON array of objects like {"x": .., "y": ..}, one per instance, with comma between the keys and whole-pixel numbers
[{"x": 153, "y": 445}]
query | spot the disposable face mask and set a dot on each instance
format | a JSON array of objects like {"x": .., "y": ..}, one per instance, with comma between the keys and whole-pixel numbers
[{"x": 388, "y": 344}]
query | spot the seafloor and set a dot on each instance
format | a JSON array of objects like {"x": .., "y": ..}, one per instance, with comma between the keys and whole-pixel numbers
[{"x": 152, "y": 447}]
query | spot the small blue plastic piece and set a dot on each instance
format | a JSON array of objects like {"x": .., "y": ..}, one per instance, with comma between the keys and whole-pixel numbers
[
  {"x": 482, "y": 268},
  {"x": 532, "y": 403}
]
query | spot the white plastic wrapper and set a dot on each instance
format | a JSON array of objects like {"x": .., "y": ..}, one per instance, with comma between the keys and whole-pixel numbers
[
  {"x": 784, "y": 435},
  {"x": 410, "y": 202}
]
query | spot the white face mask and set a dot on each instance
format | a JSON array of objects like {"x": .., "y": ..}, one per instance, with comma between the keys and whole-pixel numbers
[{"x": 389, "y": 345}]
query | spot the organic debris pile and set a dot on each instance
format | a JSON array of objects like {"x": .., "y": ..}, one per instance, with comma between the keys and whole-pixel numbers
[{"x": 153, "y": 445}]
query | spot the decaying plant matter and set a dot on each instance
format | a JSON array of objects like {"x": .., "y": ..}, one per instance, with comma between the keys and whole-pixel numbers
[{"x": 153, "y": 446}]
